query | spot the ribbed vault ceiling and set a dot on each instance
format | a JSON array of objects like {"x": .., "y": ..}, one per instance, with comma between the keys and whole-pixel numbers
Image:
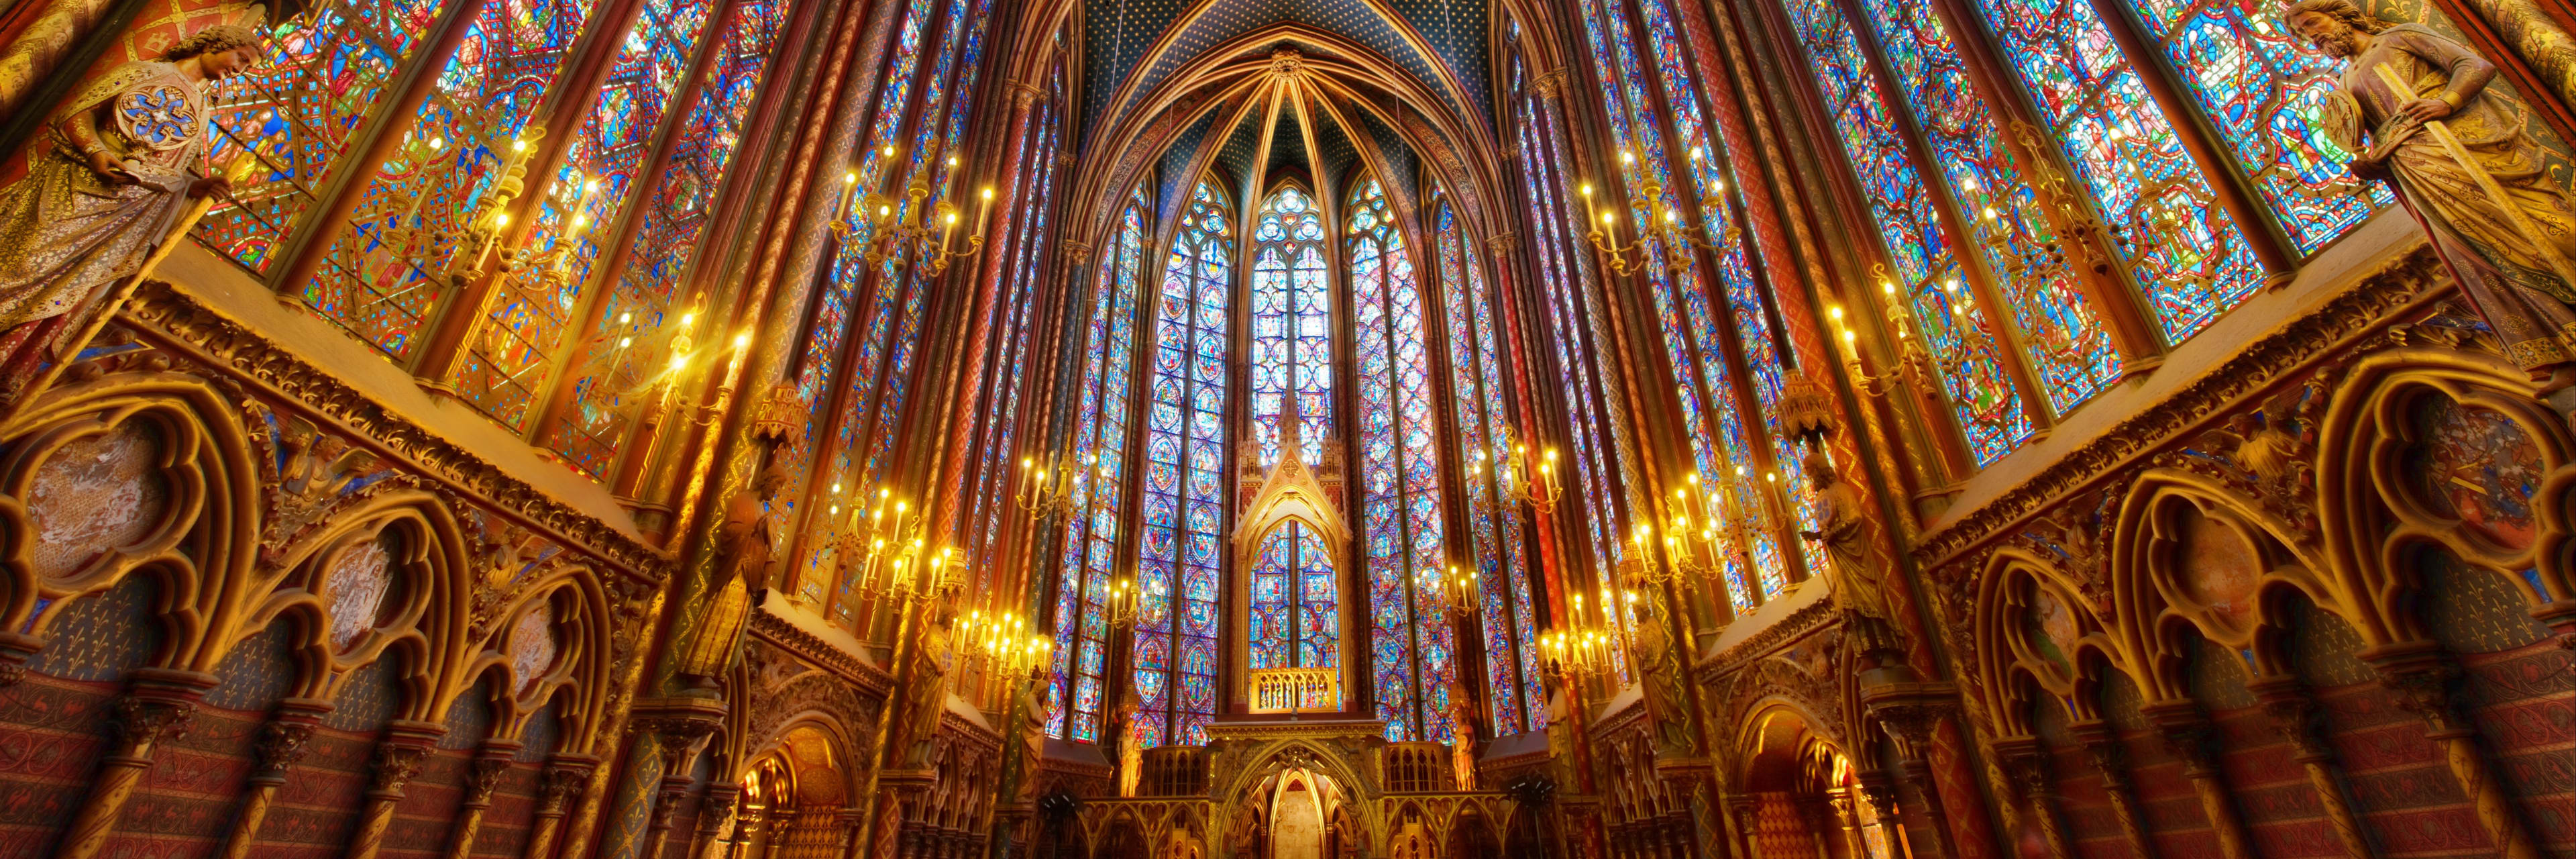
[{"x": 1135, "y": 45}]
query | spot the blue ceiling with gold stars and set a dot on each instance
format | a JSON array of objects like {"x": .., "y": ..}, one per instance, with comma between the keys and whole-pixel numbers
[{"x": 1120, "y": 33}]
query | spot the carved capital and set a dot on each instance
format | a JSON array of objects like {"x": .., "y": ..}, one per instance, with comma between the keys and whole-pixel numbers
[
  {"x": 2026, "y": 765},
  {"x": 15, "y": 649},
  {"x": 281, "y": 743},
  {"x": 1879, "y": 790},
  {"x": 1549, "y": 84},
  {"x": 2293, "y": 715},
  {"x": 2104, "y": 752},
  {"x": 2421, "y": 676},
  {"x": 1911, "y": 724},
  {"x": 717, "y": 807},
  {"x": 563, "y": 781},
  {"x": 143, "y": 721},
  {"x": 2186, "y": 734},
  {"x": 395, "y": 765}
]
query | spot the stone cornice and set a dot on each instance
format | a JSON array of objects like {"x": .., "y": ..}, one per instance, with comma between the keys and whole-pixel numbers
[
  {"x": 822, "y": 654},
  {"x": 1799, "y": 624},
  {"x": 175, "y": 321},
  {"x": 2409, "y": 280}
]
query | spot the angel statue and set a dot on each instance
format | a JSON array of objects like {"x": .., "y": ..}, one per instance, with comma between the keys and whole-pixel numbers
[
  {"x": 2415, "y": 105},
  {"x": 125, "y": 158}
]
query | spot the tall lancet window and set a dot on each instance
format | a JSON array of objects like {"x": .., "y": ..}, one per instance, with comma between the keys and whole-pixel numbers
[
  {"x": 1184, "y": 489},
  {"x": 1292, "y": 329},
  {"x": 1100, "y": 445},
  {"x": 1478, "y": 380},
  {"x": 1399, "y": 475}
]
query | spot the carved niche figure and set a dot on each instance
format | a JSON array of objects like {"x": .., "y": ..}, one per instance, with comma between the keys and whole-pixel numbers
[
  {"x": 928, "y": 692},
  {"x": 1663, "y": 671},
  {"x": 1465, "y": 728},
  {"x": 2415, "y": 105},
  {"x": 123, "y": 159},
  {"x": 1032, "y": 739},
  {"x": 1129, "y": 732},
  {"x": 744, "y": 560},
  {"x": 1860, "y": 593}
]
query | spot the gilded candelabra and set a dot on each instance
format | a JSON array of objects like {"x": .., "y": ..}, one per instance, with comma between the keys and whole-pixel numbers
[
  {"x": 902, "y": 228},
  {"x": 484, "y": 227},
  {"x": 1661, "y": 221},
  {"x": 1454, "y": 591},
  {"x": 1585, "y": 643},
  {"x": 1530, "y": 479},
  {"x": 1047, "y": 484}
]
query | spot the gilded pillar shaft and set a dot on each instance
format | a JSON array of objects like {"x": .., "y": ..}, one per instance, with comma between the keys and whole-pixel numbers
[
  {"x": 41, "y": 48},
  {"x": 2294, "y": 715},
  {"x": 281, "y": 743},
  {"x": 157, "y": 707},
  {"x": 398, "y": 759},
  {"x": 2537, "y": 39},
  {"x": 485, "y": 777},
  {"x": 2187, "y": 735},
  {"x": 564, "y": 779},
  {"x": 2111, "y": 762},
  {"x": 2421, "y": 677}
]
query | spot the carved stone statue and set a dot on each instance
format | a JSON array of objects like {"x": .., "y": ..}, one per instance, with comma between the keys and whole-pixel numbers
[
  {"x": 1860, "y": 593},
  {"x": 1465, "y": 727},
  {"x": 744, "y": 561},
  {"x": 927, "y": 697},
  {"x": 124, "y": 158},
  {"x": 2416, "y": 106},
  {"x": 1129, "y": 732},
  {"x": 1031, "y": 735}
]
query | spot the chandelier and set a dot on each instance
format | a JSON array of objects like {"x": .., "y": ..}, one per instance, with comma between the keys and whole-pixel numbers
[
  {"x": 902, "y": 228},
  {"x": 1662, "y": 222}
]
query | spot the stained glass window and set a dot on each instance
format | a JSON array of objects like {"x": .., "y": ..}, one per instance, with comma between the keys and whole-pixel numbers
[
  {"x": 1022, "y": 271},
  {"x": 617, "y": 368},
  {"x": 577, "y": 214},
  {"x": 1291, "y": 323},
  {"x": 416, "y": 218},
  {"x": 1568, "y": 283},
  {"x": 2264, "y": 92},
  {"x": 1413, "y": 653},
  {"x": 2063, "y": 336},
  {"x": 857, "y": 311},
  {"x": 1295, "y": 614},
  {"x": 2187, "y": 254},
  {"x": 318, "y": 83},
  {"x": 1479, "y": 379},
  {"x": 1952, "y": 324},
  {"x": 1100, "y": 445},
  {"x": 1721, "y": 437},
  {"x": 1184, "y": 488}
]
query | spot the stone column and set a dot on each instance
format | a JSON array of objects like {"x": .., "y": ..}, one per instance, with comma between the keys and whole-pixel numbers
[
  {"x": 2188, "y": 735},
  {"x": 1746, "y": 809},
  {"x": 280, "y": 745},
  {"x": 2026, "y": 764},
  {"x": 484, "y": 776},
  {"x": 1911, "y": 724},
  {"x": 1848, "y": 818},
  {"x": 565, "y": 777},
  {"x": 714, "y": 811},
  {"x": 158, "y": 705},
  {"x": 2111, "y": 761},
  {"x": 2421, "y": 676},
  {"x": 1879, "y": 791},
  {"x": 2294, "y": 714},
  {"x": 398, "y": 758}
]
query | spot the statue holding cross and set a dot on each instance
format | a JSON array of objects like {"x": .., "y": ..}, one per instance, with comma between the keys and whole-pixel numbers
[{"x": 2417, "y": 108}]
